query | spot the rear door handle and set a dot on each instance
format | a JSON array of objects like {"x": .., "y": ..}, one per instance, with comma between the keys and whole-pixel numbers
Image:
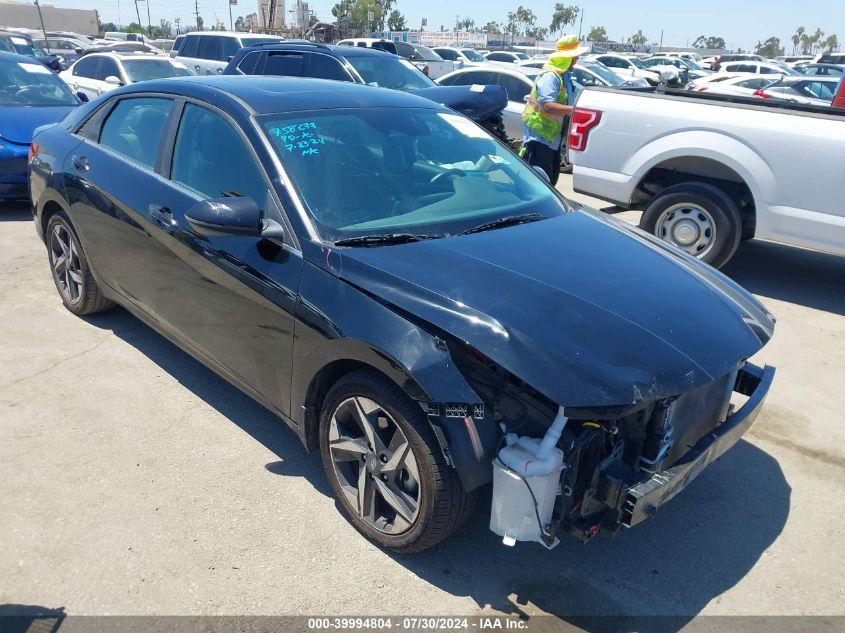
[
  {"x": 161, "y": 215},
  {"x": 80, "y": 163}
]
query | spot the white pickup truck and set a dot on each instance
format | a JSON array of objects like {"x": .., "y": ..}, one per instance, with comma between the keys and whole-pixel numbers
[{"x": 710, "y": 171}]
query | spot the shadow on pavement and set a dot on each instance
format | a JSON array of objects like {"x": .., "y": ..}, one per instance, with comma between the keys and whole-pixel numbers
[
  {"x": 15, "y": 212},
  {"x": 786, "y": 273},
  {"x": 700, "y": 545}
]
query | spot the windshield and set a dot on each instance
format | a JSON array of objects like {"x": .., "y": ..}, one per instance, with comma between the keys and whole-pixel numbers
[
  {"x": 472, "y": 55},
  {"x": 522, "y": 56},
  {"x": 383, "y": 171},
  {"x": 604, "y": 72},
  {"x": 636, "y": 61},
  {"x": 389, "y": 72},
  {"x": 24, "y": 47},
  {"x": 146, "y": 69},
  {"x": 426, "y": 54},
  {"x": 31, "y": 84}
]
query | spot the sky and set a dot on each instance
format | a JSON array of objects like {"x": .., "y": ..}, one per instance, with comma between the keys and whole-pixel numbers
[{"x": 741, "y": 22}]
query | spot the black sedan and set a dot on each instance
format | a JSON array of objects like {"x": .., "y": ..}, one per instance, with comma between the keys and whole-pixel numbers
[{"x": 404, "y": 292}]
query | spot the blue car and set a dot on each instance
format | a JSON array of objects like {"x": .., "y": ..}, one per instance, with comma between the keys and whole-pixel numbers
[{"x": 30, "y": 96}]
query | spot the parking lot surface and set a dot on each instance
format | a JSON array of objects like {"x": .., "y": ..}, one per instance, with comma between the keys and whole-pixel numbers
[{"x": 135, "y": 481}]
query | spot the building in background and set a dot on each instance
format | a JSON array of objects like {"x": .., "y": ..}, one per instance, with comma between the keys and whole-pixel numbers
[
  {"x": 251, "y": 21},
  {"x": 25, "y": 15},
  {"x": 271, "y": 14},
  {"x": 301, "y": 15}
]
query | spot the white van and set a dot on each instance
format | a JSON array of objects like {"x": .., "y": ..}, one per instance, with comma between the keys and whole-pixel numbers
[
  {"x": 125, "y": 37},
  {"x": 209, "y": 52}
]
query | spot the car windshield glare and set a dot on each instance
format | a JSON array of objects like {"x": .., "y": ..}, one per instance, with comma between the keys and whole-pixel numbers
[
  {"x": 387, "y": 171},
  {"x": 32, "y": 84},
  {"x": 147, "y": 69},
  {"x": 472, "y": 55},
  {"x": 605, "y": 73},
  {"x": 636, "y": 61},
  {"x": 389, "y": 71}
]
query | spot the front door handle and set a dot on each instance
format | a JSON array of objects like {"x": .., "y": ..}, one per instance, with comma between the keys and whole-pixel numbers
[
  {"x": 80, "y": 163},
  {"x": 161, "y": 215}
]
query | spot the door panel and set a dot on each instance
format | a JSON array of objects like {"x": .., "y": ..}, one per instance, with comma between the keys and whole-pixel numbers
[{"x": 230, "y": 298}]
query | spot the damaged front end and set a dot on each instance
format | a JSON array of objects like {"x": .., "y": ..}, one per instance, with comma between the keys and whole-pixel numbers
[{"x": 612, "y": 466}]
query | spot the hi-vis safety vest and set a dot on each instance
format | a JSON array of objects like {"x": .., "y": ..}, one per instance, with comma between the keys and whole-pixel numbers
[{"x": 549, "y": 126}]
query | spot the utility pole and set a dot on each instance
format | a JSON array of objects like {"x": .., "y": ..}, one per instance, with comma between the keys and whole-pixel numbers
[
  {"x": 581, "y": 24},
  {"x": 138, "y": 12},
  {"x": 178, "y": 22},
  {"x": 197, "y": 12},
  {"x": 149, "y": 22},
  {"x": 231, "y": 28},
  {"x": 41, "y": 19},
  {"x": 661, "y": 41}
]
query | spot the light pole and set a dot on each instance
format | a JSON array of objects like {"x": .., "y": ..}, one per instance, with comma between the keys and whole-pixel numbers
[{"x": 41, "y": 19}]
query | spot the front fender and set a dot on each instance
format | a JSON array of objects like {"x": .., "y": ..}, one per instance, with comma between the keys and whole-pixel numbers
[{"x": 338, "y": 322}]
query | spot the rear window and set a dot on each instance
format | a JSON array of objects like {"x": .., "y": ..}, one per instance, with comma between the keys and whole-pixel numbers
[
  {"x": 287, "y": 64},
  {"x": 389, "y": 47},
  {"x": 190, "y": 46}
]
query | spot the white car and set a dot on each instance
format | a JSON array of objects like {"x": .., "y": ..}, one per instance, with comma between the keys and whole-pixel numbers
[
  {"x": 97, "y": 73},
  {"x": 371, "y": 42},
  {"x": 510, "y": 57},
  {"x": 209, "y": 52},
  {"x": 757, "y": 68},
  {"x": 460, "y": 56},
  {"x": 683, "y": 55},
  {"x": 736, "y": 84},
  {"x": 627, "y": 66}
]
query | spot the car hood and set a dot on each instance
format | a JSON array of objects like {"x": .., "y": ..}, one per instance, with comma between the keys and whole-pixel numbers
[
  {"x": 475, "y": 102},
  {"x": 18, "y": 123},
  {"x": 585, "y": 309}
]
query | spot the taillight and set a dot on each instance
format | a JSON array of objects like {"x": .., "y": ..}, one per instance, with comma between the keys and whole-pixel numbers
[
  {"x": 762, "y": 94},
  {"x": 33, "y": 151},
  {"x": 425, "y": 70},
  {"x": 702, "y": 89},
  {"x": 582, "y": 121}
]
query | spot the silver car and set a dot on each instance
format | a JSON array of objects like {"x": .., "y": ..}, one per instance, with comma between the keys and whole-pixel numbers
[{"x": 209, "y": 52}]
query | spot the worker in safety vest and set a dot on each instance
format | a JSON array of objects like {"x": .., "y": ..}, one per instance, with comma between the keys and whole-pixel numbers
[{"x": 547, "y": 106}]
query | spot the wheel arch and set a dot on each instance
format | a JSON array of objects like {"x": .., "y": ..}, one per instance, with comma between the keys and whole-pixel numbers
[{"x": 703, "y": 156}]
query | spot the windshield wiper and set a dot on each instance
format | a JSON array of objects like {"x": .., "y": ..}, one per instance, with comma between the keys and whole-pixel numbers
[
  {"x": 510, "y": 220},
  {"x": 382, "y": 240}
]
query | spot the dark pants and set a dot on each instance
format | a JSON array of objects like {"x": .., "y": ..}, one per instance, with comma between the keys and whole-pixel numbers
[{"x": 544, "y": 157}]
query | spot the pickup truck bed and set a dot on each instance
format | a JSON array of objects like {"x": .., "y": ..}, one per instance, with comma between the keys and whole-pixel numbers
[{"x": 711, "y": 170}]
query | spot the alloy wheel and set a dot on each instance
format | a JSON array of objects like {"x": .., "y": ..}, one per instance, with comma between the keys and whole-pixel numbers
[
  {"x": 64, "y": 258},
  {"x": 374, "y": 465},
  {"x": 688, "y": 226}
]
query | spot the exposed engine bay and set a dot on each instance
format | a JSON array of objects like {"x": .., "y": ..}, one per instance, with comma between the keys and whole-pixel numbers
[{"x": 617, "y": 462}]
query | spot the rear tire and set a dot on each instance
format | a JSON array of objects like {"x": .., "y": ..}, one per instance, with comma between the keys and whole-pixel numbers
[
  {"x": 698, "y": 218},
  {"x": 71, "y": 272},
  {"x": 405, "y": 504}
]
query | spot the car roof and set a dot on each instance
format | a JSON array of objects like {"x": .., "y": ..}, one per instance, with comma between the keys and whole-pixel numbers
[
  {"x": 264, "y": 94},
  {"x": 336, "y": 50},
  {"x": 508, "y": 69}
]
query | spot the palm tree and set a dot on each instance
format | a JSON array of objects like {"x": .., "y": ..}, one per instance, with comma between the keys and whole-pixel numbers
[{"x": 796, "y": 39}]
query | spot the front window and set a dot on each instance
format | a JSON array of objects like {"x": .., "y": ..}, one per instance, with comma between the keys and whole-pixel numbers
[
  {"x": 521, "y": 56},
  {"x": 472, "y": 55},
  {"x": 389, "y": 72},
  {"x": 24, "y": 47},
  {"x": 636, "y": 61},
  {"x": 147, "y": 69},
  {"x": 605, "y": 73},
  {"x": 31, "y": 84},
  {"x": 384, "y": 171},
  {"x": 426, "y": 54}
]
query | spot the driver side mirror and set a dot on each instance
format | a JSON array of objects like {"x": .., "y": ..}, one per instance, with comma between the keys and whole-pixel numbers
[
  {"x": 82, "y": 96},
  {"x": 232, "y": 217},
  {"x": 113, "y": 81}
]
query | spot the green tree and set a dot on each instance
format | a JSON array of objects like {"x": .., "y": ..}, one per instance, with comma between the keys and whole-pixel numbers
[
  {"x": 597, "y": 34},
  {"x": 492, "y": 27},
  {"x": 536, "y": 32},
  {"x": 831, "y": 44},
  {"x": 797, "y": 38},
  {"x": 770, "y": 48},
  {"x": 108, "y": 26},
  {"x": 342, "y": 8},
  {"x": 563, "y": 16},
  {"x": 638, "y": 38},
  {"x": 396, "y": 21},
  {"x": 467, "y": 24},
  {"x": 817, "y": 39},
  {"x": 717, "y": 43},
  {"x": 134, "y": 27},
  {"x": 240, "y": 23}
]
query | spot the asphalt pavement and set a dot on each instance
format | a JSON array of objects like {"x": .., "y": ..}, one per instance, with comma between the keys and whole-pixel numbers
[{"x": 135, "y": 481}]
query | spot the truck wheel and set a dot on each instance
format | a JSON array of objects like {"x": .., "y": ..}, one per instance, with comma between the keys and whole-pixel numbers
[
  {"x": 385, "y": 465},
  {"x": 71, "y": 273},
  {"x": 698, "y": 218}
]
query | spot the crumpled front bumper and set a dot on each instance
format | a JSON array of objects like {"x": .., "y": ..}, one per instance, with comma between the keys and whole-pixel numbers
[{"x": 641, "y": 500}]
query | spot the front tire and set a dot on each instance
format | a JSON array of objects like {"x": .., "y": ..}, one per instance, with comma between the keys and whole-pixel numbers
[
  {"x": 385, "y": 466},
  {"x": 71, "y": 272},
  {"x": 698, "y": 218}
]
